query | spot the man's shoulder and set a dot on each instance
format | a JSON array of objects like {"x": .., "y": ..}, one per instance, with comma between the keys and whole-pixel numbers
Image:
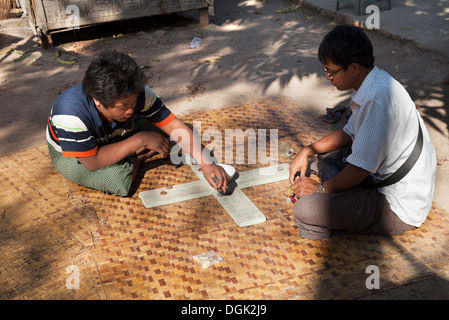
[
  {"x": 378, "y": 85},
  {"x": 71, "y": 102},
  {"x": 389, "y": 90},
  {"x": 378, "y": 79}
]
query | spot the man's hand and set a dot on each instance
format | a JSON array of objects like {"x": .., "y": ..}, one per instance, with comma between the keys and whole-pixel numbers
[
  {"x": 304, "y": 186},
  {"x": 300, "y": 163},
  {"x": 185, "y": 138},
  {"x": 336, "y": 140},
  {"x": 153, "y": 141},
  {"x": 212, "y": 170}
]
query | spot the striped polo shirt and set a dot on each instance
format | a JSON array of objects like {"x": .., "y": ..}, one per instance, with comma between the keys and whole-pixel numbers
[{"x": 76, "y": 130}]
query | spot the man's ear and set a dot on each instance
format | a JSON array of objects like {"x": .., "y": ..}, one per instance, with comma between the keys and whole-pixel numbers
[
  {"x": 97, "y": 103},
  {"x": 355, "y": 68}
]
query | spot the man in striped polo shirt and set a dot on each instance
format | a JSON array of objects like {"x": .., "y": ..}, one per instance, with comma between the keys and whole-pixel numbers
[{"x": 100, "y": 131}]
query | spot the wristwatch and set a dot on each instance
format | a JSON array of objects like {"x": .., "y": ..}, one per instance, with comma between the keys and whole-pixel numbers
[{"x": 320, "y": 189}]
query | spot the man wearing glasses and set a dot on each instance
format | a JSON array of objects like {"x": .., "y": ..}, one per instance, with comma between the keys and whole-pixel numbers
[{"x": 384, "y": 137}]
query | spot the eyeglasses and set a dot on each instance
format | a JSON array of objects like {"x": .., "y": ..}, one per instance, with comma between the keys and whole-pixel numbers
[{"x": 331, "y": 74}]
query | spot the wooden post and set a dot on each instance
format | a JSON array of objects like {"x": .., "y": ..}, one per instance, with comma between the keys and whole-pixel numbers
[{"x": 204, "y": 17}]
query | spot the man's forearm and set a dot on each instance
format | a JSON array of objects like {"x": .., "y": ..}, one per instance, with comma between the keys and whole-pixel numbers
[
  {"x": 346, "y": 179},
  {"x": 336, "y": 140},
  {"x": 184, "y": 137},
  {"x": 112, "y": 153}
]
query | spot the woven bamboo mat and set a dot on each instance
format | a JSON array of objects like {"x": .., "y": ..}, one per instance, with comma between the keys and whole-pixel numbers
[{"x": 125, "y": 251}]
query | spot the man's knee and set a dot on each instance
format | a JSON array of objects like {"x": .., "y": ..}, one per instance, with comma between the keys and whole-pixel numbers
[
  {"x": 305, "y": 209},
  {"x": 307, "y": 218}
]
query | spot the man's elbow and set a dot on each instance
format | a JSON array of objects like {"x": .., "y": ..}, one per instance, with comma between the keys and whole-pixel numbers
[{"x": 89, "y": 165}]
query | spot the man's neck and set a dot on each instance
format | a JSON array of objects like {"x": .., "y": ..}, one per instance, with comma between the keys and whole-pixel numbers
[{"x": 361, "y": 77}]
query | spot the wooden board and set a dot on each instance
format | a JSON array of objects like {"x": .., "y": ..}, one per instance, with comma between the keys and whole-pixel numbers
[
  {"x": 99, "y": 11},
  {"x": 47, "y": 17}
]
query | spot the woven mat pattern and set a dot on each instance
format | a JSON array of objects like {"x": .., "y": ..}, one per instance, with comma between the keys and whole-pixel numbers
[{"x": 126, "y": 251}]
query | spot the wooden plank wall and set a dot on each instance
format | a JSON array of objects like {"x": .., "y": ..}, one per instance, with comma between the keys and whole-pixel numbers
[{"x": 98, "y": 11}]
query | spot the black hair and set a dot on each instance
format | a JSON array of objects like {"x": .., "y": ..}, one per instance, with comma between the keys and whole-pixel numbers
[
  {"x": 345, "y": 45},
  {"x": 111, "y": 76}
]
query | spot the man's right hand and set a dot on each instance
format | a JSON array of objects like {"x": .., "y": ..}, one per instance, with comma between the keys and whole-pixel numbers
[
  {"x": 300, "y": 163},
  {"x": 156, "y": 142}
]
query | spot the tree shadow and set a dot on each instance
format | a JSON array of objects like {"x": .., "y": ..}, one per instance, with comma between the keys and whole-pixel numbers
[
  {"x": 39, "y": 237},
  {"x": 345, "y": 274},
  {"x": 433, "y": 113}
]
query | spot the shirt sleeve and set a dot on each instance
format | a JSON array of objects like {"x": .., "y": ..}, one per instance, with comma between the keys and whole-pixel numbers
[
  {"x": 154, "y": 110},
  {"x": 371, "y": 142},
  {"x": 349, "y": 129},
  {"x": 74, "y": 137}
]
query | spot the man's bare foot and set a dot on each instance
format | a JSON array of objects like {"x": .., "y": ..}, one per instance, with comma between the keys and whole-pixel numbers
[
  {"x": 136, "y": 161},
  {"x": 147, "y": 155}
]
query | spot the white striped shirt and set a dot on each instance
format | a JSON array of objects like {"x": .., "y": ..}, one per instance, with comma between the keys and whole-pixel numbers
[{"x": 384, "y": 129}]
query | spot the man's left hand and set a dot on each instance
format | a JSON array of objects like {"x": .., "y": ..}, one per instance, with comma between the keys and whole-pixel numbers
[{"x": 304, "y": 186}]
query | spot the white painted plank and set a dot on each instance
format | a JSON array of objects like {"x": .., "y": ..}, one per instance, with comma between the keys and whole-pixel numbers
[
  {"x": 241, "y": 209},
  {"x": 178, "y": 193},
  {"x": 263, "y": 175}
]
